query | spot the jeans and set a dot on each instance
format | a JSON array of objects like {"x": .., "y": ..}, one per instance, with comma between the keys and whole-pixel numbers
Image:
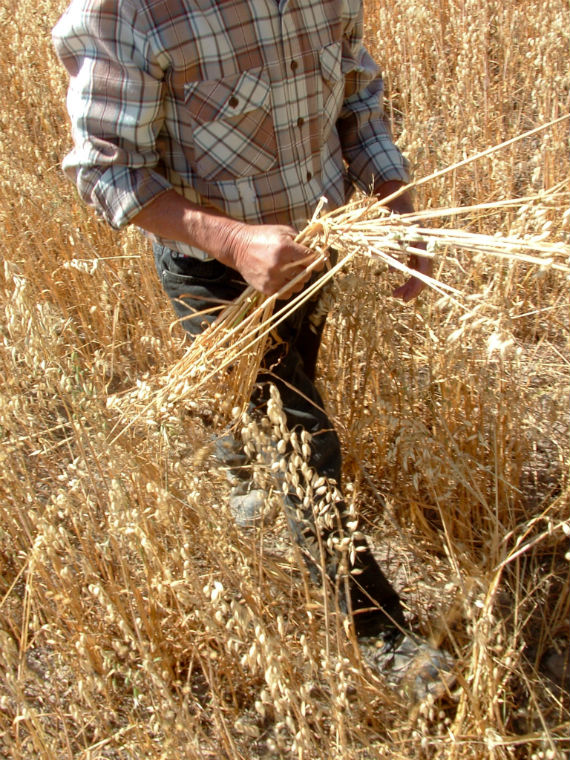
[{"x": 194, "y": 285}]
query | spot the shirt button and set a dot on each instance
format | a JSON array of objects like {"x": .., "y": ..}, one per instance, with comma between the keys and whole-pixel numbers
[
  {"x": 233, "y": 101},
  {"x": 309, "y": 176},
  {"x": 300, "y": 121},
  {"x": 294, "y": 65}
]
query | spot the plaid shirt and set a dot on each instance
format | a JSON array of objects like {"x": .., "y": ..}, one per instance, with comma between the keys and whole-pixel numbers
[{"x": 254, "y": 107}]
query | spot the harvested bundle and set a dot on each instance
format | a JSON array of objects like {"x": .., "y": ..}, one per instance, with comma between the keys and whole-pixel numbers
[
  {"x": 234, "y": 345},
  {"x": 232, "y": 348}
]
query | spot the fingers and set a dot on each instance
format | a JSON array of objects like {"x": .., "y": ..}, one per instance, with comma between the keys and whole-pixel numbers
[
  {"x": 414, "y": 286},
  {"x": 271, "y": 261},
  {"x": 294, "y": 267},
  {"x": 308, "y": 259},
  {"x": 409, "y": 290},
  {"x": 297, "y": 276}
]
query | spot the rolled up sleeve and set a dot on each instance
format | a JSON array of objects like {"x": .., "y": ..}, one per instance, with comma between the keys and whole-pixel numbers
[
  {"x": 367, "y": 145},
  {"x": 114, "y": 103}
]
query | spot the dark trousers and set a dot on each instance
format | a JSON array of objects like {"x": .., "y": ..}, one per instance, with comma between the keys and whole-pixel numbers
[{"x": 194, "y": 285}]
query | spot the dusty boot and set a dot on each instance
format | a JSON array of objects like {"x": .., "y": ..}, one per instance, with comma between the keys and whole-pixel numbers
[
  {"x": 230, "y": 456},
  {"x": 249, "y": 507},
  {"x": 411, "y": 665}
]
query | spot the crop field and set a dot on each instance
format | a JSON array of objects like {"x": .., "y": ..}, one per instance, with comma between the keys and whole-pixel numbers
[{"x": 137, "y": 621}]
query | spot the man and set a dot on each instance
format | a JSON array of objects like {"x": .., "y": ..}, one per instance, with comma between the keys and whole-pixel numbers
[{"x": 216, "y": 127}]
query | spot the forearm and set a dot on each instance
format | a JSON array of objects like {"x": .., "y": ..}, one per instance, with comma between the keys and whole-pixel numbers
[
  {"x": 266, "y": 255},
  {"x": 173, "y": 217},
  {"x": 401, "y": 204}
]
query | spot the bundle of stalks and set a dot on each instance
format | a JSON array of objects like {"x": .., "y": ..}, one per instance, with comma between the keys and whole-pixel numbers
[{"x": 235, "y": 343}]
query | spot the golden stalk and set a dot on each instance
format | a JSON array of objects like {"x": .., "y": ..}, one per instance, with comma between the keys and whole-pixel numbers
[{"x": 237, "y": 340}]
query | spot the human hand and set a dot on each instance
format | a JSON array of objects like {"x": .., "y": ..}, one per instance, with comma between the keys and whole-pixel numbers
[
  {"x": 268, "y": 258},
  {"x": 266, "y": 255},
  {"x": 401, "y": 203},
  {"x": 414, "y": 286}
]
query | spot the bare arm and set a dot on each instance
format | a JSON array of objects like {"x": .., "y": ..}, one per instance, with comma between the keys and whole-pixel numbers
[
  {"x": 403, "y": 205},
  {"x": 264, "y": 254}
]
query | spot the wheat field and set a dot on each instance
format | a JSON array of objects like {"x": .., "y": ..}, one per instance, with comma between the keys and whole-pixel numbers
[{"x": 136, "y": 620}]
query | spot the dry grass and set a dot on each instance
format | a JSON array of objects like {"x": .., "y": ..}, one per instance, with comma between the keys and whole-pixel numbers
[
  {"x": 135, "y": 620},
  {"x": 231, "y": 350}
]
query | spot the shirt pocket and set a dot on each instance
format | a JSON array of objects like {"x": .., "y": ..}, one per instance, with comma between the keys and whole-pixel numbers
[
  {"x": 332, "y": 86},
  {"x": 232, "y": 126}
]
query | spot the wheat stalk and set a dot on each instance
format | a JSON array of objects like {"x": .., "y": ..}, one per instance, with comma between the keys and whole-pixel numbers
[{"x": 237, "y": 340}]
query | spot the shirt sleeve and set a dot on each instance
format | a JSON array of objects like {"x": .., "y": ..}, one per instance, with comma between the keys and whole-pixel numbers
[
  {"x": 114, "y": 102},
  {"x": 367, "y": 144}
]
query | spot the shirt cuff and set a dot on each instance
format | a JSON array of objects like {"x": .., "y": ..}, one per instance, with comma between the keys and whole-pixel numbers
[
  {"x": 377, "y": 160},
  {"x": 119, "y": 193}
]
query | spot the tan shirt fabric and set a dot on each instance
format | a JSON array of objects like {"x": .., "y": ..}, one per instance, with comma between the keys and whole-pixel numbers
[{"x": 250, "y": 106}]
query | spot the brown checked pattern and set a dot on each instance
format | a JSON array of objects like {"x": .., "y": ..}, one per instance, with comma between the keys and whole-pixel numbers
[{"x": 254, "y": 107}]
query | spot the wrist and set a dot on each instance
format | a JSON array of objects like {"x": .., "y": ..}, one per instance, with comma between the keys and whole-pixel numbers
[
  {"x": 227, "y": 237},
  {"x": 402, "y": 202},
  {"x": 212, "y": 232}
]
